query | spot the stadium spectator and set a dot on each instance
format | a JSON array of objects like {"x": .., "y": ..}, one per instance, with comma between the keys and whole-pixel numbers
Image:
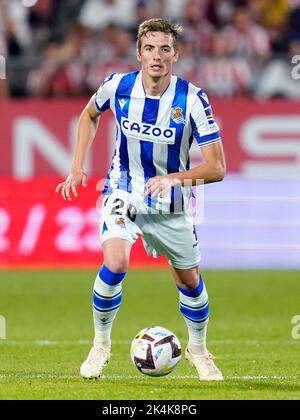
[
  {"x": 253, "y": 29},
  {"x": 143, "y": 11},
  {"x": 39, "y": 20},
  {"x": 63, "y": 15},
  {"x": 120, "y": 59},
  {"x": 294, "y": 21},
  {"x": 98, "y": 47},
  {"x": 96, "y": 14},
  {"x": 14, "y": 26},
  {"x": 277, "y": 79},
  {"x": 14, "y": 47},
  {"x": 271, "y": 14},
  {"x": 62, "y": 72},
  {"x": 199, "y": 30},
  {"x": 246, "y": 38},
  {"x": 186, "y": 67},
  {"x": 171, "y": 9},
  {"x": 222, "y": 75},
  {"x": 219, "y": 12}
]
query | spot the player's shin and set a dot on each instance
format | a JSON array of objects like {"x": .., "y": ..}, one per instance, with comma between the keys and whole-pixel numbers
[
  {"x": 107, "y": 297},
  {"x": 194, "y": 306}
]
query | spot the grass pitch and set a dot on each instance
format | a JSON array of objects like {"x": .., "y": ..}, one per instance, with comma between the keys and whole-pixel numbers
[{"x": 49, "y": 333}]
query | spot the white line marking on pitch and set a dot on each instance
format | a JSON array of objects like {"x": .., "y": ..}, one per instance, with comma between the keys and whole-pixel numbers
[
  {"x": 57, "y": 376},
  {"x": 127, "y": 342}
]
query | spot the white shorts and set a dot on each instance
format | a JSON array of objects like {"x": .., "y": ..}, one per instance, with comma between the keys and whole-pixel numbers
[{"x": 172, "y": 235}]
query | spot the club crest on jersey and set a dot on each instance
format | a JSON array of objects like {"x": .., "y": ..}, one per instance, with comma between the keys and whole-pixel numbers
[
  {"x": 120, "y": 221},
  {"x": 177, "y": 115}
]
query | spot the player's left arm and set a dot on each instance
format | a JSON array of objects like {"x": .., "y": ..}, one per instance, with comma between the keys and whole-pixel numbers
[{"x": 213, "y": 169}]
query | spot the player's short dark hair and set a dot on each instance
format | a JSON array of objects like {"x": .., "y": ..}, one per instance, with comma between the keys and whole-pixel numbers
[{"x": 158, "y": 25}]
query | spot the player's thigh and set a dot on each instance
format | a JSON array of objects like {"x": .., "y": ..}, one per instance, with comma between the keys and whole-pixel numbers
[
  {"x": 173, "y": 236},
  {"x": 116, "y": 220},
  {"x": 186, "y": 278},
  {"x": 116, "y": 254}
]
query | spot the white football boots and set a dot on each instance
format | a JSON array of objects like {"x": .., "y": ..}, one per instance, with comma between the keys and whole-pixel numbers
[
  {"x": 205, "y": 366},
  {"x": 92, "y": 367}
]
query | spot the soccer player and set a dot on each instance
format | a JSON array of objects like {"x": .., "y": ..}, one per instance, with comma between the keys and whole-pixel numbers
[{"x": 157, "y": 115}]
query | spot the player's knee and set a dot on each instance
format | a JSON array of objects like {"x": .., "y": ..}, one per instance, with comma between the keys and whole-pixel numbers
[
  {"x": 189, "y": 284},
  {"x": 188, "y": 279},
  {"x": 117, "y": 265}
]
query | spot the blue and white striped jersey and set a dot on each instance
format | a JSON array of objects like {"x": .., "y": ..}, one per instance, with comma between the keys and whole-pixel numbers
[{"x": 154, "y": 134}]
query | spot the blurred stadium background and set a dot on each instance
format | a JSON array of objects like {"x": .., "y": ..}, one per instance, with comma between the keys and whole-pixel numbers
[
  {"x": 243, "y": 53},
  {"x": 246, "y": 55}
]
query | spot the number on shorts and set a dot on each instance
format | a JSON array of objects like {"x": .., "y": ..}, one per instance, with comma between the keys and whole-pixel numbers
[
  {"x": 131, "y": 212},
  {"x": 119, "y": 204}
]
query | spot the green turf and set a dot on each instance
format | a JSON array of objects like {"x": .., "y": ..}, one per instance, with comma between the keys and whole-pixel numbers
[{"x": 49, "y": 331}]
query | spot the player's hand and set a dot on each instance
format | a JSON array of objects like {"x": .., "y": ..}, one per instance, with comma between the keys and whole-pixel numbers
[
  {"x": 69, "y": 186},
  {"x": 160, "y": 185}
]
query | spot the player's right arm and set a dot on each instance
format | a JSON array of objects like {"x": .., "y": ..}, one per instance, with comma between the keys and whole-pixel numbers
[{"x": 87, "y": 128}]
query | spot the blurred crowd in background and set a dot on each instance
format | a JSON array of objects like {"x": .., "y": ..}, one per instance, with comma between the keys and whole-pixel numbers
[{"x": 231, "y": 48}]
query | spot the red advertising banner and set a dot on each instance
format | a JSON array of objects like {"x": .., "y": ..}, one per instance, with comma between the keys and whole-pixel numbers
[
  {"x": 261, "y": 139},
  {"x": 39, "y": 229},
  {"x": 37, "y": 138}
]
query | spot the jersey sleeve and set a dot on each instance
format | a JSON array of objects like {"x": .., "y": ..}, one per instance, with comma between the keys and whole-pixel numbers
[
  {"x": 103, "y": 95},
  {"x": 205, "y": 128}
]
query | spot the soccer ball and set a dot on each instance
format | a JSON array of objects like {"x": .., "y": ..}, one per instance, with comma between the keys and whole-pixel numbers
[{"x": 155, "y": 351}]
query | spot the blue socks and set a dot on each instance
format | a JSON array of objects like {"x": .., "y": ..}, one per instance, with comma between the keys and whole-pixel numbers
[
  {"x": 107, "y": 298},
  {"x": 194, "y": 306}
]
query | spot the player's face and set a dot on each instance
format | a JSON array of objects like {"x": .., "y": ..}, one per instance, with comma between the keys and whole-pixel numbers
[{"x": 157, "y": 54}]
